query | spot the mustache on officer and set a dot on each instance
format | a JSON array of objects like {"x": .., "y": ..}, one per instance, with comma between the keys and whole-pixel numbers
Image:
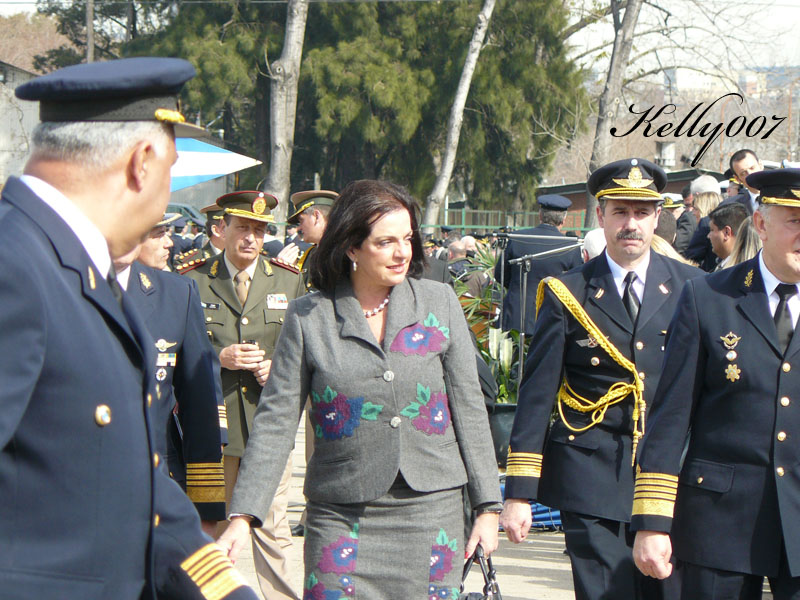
[{"x": 629, "y": 234}]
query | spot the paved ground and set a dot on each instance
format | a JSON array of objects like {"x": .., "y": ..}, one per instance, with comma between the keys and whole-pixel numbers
[{"x": 535, "y": 570}]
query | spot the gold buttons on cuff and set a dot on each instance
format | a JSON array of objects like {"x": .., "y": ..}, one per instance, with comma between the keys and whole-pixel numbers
[
  {"x": 156, "y": 460},
  {"x": 786, "y": 367},
  {"x": 780, "y": 471},
  {"x": 595, "y": 361},
  {"x": 245, "y": 320},
  {"x": 102, "y": 415},
  {"x": 149, "y": 399},
  {"x": 244, "y": 389},
  {"x": 639, "y": 345},
  {"x": 781, "y": 436},
  {"x": 700, "y": 479},
  {"x": 785, "y": 401},
  {"x": 156, "y": 520}
]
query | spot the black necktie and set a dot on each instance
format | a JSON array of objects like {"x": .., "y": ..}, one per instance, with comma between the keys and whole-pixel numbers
[
  {"x": 783, "y": 320},
  {"x": 116, "y": 289},
  {"x": 629, "y": 298}
]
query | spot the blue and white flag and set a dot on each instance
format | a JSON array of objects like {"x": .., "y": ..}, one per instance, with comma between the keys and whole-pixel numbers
[{"x": 198, "y": 162}]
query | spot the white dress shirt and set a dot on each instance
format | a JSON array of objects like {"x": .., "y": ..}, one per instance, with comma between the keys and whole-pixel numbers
[
  {"x": 87, "y": 232},
  {"x": 770, "y": 284},
  {"x": 618, "y": 273}
]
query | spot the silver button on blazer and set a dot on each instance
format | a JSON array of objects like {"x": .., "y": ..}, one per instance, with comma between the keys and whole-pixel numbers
[{"x": 411, "y": 405}]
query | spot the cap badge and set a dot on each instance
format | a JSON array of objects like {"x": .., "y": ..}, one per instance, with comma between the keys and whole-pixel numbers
[
  {"x": 259, "y": 205},
  {"x": 730, "y": 340},
  {"x": 634, "y": 179}
]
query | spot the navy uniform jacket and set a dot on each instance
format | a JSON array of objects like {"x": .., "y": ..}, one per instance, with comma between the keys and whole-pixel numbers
[
  {"x": 187, "y": 373},
  {"x": 685, "y": 226},
  {"x": 88, "y": 510},
  {"x": 738, "y": 489},
  {"x": 589, "y": 472},
  {"x": 552, "y": 265}
]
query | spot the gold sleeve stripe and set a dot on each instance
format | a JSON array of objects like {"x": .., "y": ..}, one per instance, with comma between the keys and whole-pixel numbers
[
  {"x": 223, "y": 417},
  {"x": 212, "y": 572},
  {"x": 205, "y": 482},
  {"x": 654, "y": 494},
  {"x": 523, "y": 464}
]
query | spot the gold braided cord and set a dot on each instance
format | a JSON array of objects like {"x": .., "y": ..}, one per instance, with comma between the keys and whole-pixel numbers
[
  {"x": 616, "y": 392},
  {"x": 780, "y": 201},
  {"x": 249, "y": 215},
  {"x": 302, "y": 260},
  {"x": 629, "y": 191}
]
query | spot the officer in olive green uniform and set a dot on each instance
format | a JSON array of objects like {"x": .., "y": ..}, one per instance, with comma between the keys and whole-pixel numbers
[
  {"x": 244, "y": 297},
  {"x": 310, "y": 213}
]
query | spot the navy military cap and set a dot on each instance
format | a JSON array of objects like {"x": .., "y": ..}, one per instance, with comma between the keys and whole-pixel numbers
[
  {"x": 303, "y": 200},
  {"x": 129, "y": 89},
  {"x": 212, "y": 212},
  {"x": 179, "y": 222},
  {"x": 673, "y": 200},
  {"x": 629, "y": 179},
  {"x": 554, "y": 202},
  {"x": 777, "y": 186},
  {"x": 249, "y": 205}
]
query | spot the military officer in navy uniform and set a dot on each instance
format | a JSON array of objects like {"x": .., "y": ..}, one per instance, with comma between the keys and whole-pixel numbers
[
  {"x": 552, "y": 213},
  {"x": 244, "y": 297},
  {"x": 596, "y": 354},
  {"x": 191, "y": 425},
  {"x": 88, "y": 508},
  {"x": 729, "y": 511}
]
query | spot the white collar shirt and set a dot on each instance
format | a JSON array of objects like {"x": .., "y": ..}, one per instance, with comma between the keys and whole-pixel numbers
[
  {"x": 618, "y": 273},
  {"x": 770, "y": 284}
]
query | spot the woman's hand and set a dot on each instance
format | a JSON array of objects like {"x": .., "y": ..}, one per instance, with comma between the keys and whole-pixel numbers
[
  {"x": 484, "y": 532},
  {"x": 235, "y": 536}
]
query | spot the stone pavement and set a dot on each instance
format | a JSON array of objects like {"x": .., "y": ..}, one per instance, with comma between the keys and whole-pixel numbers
[{"x": 534, "y": 570}]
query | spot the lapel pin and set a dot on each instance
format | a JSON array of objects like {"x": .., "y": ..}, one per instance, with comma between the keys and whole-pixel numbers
[
  {"x": 732, "y": 372},
  {"x": 730, "y": 340},
  {"x": 92, "y": 282},
  {"x": 663, "y": 288}
]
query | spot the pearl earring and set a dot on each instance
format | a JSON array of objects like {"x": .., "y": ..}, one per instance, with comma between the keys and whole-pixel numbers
[{"x": 355, "y": 266}]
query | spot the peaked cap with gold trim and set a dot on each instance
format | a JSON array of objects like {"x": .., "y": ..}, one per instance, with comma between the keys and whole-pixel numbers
[
  {"x": 129, "y": 89},
  {"x": 629, "y": 179},
  {"x": 249, "y": 205},
  {"x": 168, "y": 219},
  {"x": 779, "y": 187},
  {"x": 212, "y": 211},
  {"x": 303, "y": 200}
]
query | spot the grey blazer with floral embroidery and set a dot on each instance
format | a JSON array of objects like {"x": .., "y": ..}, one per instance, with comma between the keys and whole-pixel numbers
[{"x": 411, "y": 405}]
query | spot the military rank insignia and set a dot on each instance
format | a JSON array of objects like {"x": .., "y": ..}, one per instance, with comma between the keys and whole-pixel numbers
[
  {"x": 748, "y": 280},
  {"x": 663, "y": 288},
  {"x": 145, "y": 281},
  {"x": 599, "y": 293},
  {"x": 163, "y": 345},
  {"x": 214, "y": 269},
  {"x": 730, "y": 341},
  {"x": 92, "y": 282}
]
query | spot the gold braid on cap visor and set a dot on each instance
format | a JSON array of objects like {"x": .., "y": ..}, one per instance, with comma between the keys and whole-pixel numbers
[
  {"x": 629, "y": 192},
  {"x": 249, "y": 215},
  {"x": 779, "y": 201}
]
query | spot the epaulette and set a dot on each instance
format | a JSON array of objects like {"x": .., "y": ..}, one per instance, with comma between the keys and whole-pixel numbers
[
  {"x": 284, "y": 265},
  {"x": 186, "y": 256},
  {"x": 189, "y": 266},
  {"x": 264, "y": 252}
]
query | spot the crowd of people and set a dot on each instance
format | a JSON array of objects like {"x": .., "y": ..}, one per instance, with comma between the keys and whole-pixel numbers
[{"x": 656, "y": 409}]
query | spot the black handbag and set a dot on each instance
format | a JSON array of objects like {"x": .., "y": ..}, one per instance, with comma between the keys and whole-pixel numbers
[{"x": 491, "y": 589}]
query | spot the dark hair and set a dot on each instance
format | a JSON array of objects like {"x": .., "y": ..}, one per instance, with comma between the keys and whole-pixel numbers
[
  {"x": 350, "y": 222},
  {"x": 740, "y": 155},
  {"x": 666, "y": 227},
  {"x": 272, "y": 229},
  {"x": 686, "y": 191},
  {"x": 730, "y": 215}
]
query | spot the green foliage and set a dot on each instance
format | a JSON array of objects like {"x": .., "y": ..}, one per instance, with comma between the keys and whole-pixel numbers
[{"x": 376, "y": 84}]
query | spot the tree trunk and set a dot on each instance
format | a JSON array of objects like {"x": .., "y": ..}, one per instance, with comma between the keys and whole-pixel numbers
[
  {"x": 437, "y": 195},
  {"x": 611, "y": 96},
  {"x": 285, "y": 74},
  {"x": 89, "y": 31}
]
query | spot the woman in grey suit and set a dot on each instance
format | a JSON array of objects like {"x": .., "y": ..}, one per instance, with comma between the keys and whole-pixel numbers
[{"x": 398, "y": 415}]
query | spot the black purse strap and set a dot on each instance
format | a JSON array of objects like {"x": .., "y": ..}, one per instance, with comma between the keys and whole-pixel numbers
[{"x": 491, "y": 589}]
